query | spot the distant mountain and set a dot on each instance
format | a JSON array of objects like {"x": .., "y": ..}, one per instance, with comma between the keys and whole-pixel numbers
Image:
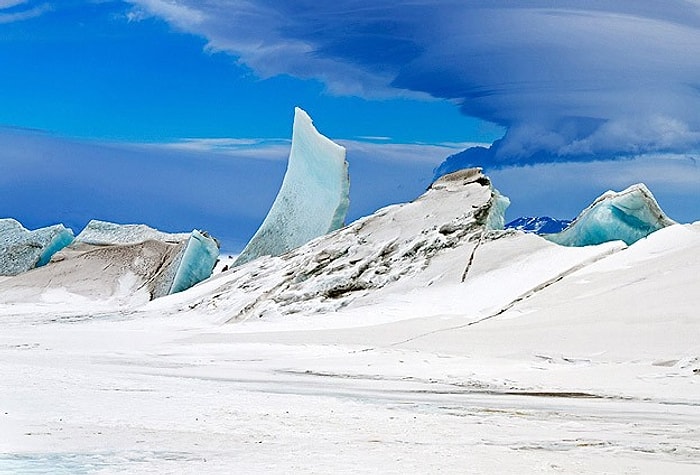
[{"x": 539, "y": 225}]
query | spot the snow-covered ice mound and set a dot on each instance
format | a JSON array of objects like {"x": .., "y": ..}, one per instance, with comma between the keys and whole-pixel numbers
[
  {"x": 401, "y": 248},
  {"x": 21, "y": 249},
  {"x": 117, "y": 266},
  {"x": 628, "y": 216},
  {"x": 313, "y": 199}
]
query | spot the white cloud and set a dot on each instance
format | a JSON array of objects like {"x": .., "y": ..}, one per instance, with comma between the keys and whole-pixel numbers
[
  {"x": 11, "y": 3},
  {"x": 25, "y": 14}
]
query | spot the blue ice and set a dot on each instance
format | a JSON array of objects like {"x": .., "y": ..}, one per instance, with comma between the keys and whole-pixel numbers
[
  {"x": 628, "y": 216},
  {"x": 22, "y": 249},
  {"x": 313, "y": 199},
  {"x": 197, "y": 263}
]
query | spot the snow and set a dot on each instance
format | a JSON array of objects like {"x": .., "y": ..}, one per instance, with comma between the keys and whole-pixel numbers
[
  {"x": 628, "y": 216},
  {"x": 21, "y": 249},
  {"x": 313, "y": 199},
  {"x": 415, "y": 340}
]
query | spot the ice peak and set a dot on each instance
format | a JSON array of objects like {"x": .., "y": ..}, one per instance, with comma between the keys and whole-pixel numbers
[{"x": 313, "y": 199}]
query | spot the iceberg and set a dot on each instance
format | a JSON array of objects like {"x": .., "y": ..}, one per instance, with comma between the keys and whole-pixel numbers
[
  {"x": 22, "y": 249},
  {"x": 628, "y": 216},
  {"x": 164, "y": 263},
  {"x": 313, "y": 199}
]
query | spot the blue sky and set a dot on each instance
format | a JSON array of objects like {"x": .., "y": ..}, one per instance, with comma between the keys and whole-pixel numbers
[{"x": 178, "y": 113}]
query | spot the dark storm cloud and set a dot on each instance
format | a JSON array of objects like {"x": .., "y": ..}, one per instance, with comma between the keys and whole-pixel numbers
[{"x": 567, "y": 78}]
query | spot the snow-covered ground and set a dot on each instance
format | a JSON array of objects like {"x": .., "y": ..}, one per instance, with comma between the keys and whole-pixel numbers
[{"x": 455, "y": 350}]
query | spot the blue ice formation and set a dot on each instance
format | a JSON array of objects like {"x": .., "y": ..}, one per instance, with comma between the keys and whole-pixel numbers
[
  {"x": 497, "y": 214},
  {"x": 22, "y": 250},
  {"x": 539, "y": 225},
  {"x": 196, "y": 263},
  {"x": 102, "y": 233},
  {"x": 628, "y": 216},
  {"x": 191, "y": 260},
  {"x": 313, "y": 199}
]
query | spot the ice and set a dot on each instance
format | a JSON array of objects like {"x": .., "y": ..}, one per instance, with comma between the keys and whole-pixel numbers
[
  {"x": 115, "y": 266},
  {"x": 313, "y": 199},
  {"x": 405, "y": 329},
  {"x": 22, "y": 250},
  {"x": 193, "y": 262},
  {"x": 196, "y": 263},
  {"x": 497, "y": 214},
  {"x": 628, "y": 216},
  {"x": 103, "y": 233}
]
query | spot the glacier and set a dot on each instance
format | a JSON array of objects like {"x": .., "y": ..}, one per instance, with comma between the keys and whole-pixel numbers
[
  {"x": 313, "y": 199},
  {"x": 22, "y": 249},
  {"x": 628, "y": 216}
]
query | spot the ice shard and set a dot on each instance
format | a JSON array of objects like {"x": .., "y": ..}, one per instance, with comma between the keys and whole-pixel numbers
[
  {"x": 628, "y": 216},
  {"x": 22, "y": 249},
  {"x": 313, "y": 199},
  {"x": 196, "y": 262}
]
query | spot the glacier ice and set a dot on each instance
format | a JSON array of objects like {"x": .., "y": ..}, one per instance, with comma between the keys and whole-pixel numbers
[
  {"x": 497, "y": 214},
  {"x": 22, "y": 250},
  {"x": 313, "y": 199},
  {"x": 104, "y": 233},
  {"x": 628, "y": 216},
  {"x": 196, "y": 262}
]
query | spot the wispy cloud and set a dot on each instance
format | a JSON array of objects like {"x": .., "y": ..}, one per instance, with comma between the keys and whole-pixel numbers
[
  {"x": 19, "y": 10},
  {"x": 568, "y": 79}
]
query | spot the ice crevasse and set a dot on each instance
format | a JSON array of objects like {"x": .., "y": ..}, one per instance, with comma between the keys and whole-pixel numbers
[{"x": 313, "y": 199}]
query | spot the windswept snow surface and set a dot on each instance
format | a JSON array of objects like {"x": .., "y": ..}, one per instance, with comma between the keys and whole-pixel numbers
[
  {"x": 22, "y": 249},
  {"x": 413, "y": 341},
  {"x": 627, "y": 216},
  {"x": 313, "y": 199}
]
